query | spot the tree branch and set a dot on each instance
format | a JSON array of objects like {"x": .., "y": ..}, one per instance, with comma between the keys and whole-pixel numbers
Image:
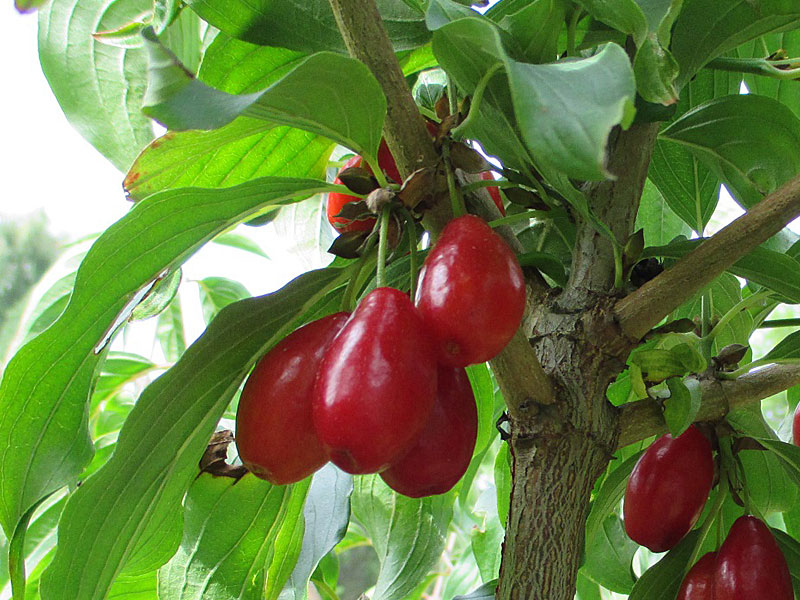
[
  {"x": 366, "y": 39},
  {"x": 643, "y": 418},
  {"x": 640, "y": 311}
]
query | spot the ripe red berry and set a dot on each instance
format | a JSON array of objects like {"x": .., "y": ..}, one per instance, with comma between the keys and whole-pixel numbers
[
  {"x": 376, "y": 385},
  {"x": 796, "y": 426},
  {"x": 471, "y": 292},
  {"x": 443, "y": 450},
  {"x": 337, "y": 200},
  {"x": 667, "y": 489},
  {"x": 699, "y": 581},
  {"x": 494, "y": 192},
  {"x": 750, "y": 565},
  {"x": 274, "y": 431}
]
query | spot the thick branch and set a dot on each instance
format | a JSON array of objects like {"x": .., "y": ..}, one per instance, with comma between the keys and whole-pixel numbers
[
  {"x": 641, "y": 419},
  {"x": 640, "y": 311}
]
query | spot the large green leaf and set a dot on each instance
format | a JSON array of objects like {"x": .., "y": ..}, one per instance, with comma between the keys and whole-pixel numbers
[
  {"x": 310, "y": 97},
  {"x": 217, "y": 292},
  {"x": 623, "y": 15},
  {"x": 326, "y": 515},
  {"x": 609, "y": 555},
  {"x": 99, "y": 87},
  {"x": 607, "y": 499},
  {"x": 305, "y": 25},
  {"x": 660, "y": 223},
  {"x": 662, "y": 580},
  {"x": 46, "y": 385},
  {"x": 286, "y": 545},
  {"x": 706, "y": 29},
  {"x": 751, "y": 142},
  {"x": 535, "y": 30},
  {"x": 690, "y": 188},
  {"x": 229, "y": 530},
  {"x": 771, "y": 269},
  {"x": 126, "y": 515},
  {"x": 407, "y": 533},
  {"x": 788, "y": 348}
]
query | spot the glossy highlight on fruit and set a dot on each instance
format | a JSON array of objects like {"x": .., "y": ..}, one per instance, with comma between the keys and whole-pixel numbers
[
  {"x": 667, "y": 489},
  {"x": 699, "y": 581},
  {"x": 337, "y": 200},
  {"x": 376, "y": 385},
  {"x": 750, "y": 565},
  {"x": 471, "y": 292},
  {"x": 274, "y": 432},
  {"x": 443, "y": 450}
]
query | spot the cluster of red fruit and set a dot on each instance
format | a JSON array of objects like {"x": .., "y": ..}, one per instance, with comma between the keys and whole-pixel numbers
[
  {"x": 337, "y": 200},
  {"x": 665, "y": 496},
  {"x": 384, "y": 390}
]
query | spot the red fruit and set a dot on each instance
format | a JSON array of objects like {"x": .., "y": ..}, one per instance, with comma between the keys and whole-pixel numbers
[
  {"x": 494, "y": 192},
  {"x": 667, "y": 489},
  {"x": 337, "y": 200},
  {"x": 376, "y": 384},
  {"x": 443, "y": 450},
  {"x": 274, "y": 431},
  {"x": 796, "y": 426},
  {"x": 471, "y": 292},
  {"x": 699, "y": 581},
  {"x": 750, "y": 565}
]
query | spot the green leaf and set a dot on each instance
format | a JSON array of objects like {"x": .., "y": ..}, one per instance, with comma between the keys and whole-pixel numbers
[
  {"x": 788, "y": 348},
  {"x": 609, "y": 556},
  {"x": 503, "y": 482},
  {"x": 116, "y": 518},
  {"x": 608, "y": 496},
  {"x": 787, "y": 92},
  {"x": 99, "y": 87},
  {"x": 573, "y": 137},
  {"x": 660, "y": 223},
  {"x": 287, "y": 543},
  {"x": 53, "y": 372},
  {"x": 703, "y": 31},
  {"x": 158, "y": 297},
  {"x": 586, "y": 588},
  {"x": 483, "y": 389},
  {"x": 751, "y": 142},
  {"x": 238, "y": 152},
  {"x": 135, "y": 587},
  {"x": 326, "y": 515},
  {"x": 535, "y": 30},
  {"x": 656, "y": 71},
  {"x": 441, "y": 12},
  {"x": 485, "y": 592},
  {"x": 661, "y": 581},
  {"x": 683, "y": 404},
  {"x": 486, "y": 539},
  {"x": 170, "y": 332},
  {"x": 305, "y": 25},
  {"x": 623, "y": 15},
  {"x": 790, "y": 549},
  {"x": 690, "y": 188},
  {"x": 309, "y": 97},
  {"x": 229, "y": 530},
  {"x": 771, "y": 269},
  {"x": 769, "y": 486},
  {"x": 407, "y": 533},
  {"x": 217, "y": 292},
  {"x": 241, "y": 242}
]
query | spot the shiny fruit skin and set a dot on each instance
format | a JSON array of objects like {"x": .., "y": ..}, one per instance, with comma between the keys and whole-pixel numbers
[
  {"x": 337, "y": 200},
  {"x": 443, "y": 450},
  {"x": 274, "y": 431},
  {"x": 376, "y": 385},
  {"x": 796, "y": 426},
  {"x": 494, "y": 192},
  {"x": 471, "y": 292},
  {"x": 750, "y": 565},
  {"x": 699, "y": 581},
  {"x": 667, "y": 489}
]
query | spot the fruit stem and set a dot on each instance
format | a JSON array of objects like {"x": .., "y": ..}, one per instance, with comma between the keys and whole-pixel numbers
[
  {"x": 456, "y": 202},
  {"x": 349, "y": 297},
  {"x": 713, "y": 514},
  {"x": 475, "y": 104},
  {"x": 376, "y": 171},
  {"x": 412, "y": 249},
  {"x": 383, "y": 245},
  {"x": 749, "y": 505}
]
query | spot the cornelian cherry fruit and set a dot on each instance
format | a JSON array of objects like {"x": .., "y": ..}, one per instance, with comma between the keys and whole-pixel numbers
[
  {"x": 699, "y": 581},
  {"x": 274, "y": 432},
  {"x": 337, "y": 200},
  {"x": 443, "y": 450},
  {"x": 667, "y": 489},
  {"x": 471, "y": 292},
  {"x": 796, "y": 426},
  {"x": 376, "y": 385},
  {"x": 494, "y": 192},
  {"x": 750, "y": 564}
]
